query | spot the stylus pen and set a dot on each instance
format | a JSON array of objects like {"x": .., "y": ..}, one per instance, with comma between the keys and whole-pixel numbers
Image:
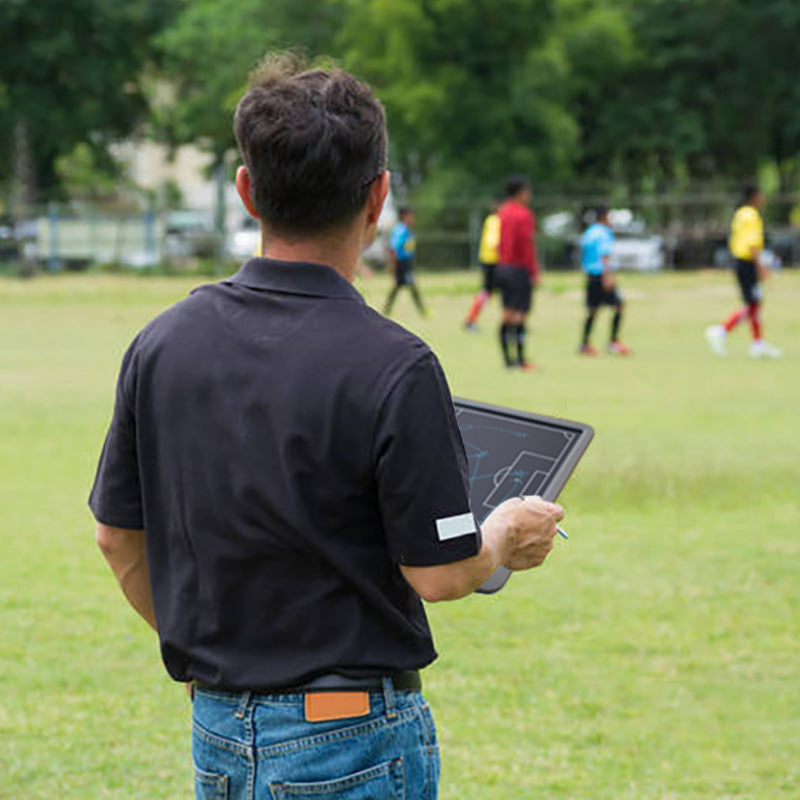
[{"x": 561, "y": 532}]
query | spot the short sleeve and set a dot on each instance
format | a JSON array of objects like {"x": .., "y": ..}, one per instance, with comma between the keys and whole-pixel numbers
[
  {"x": 116, "y": 497},
  {"x": 421, "y": 470}
]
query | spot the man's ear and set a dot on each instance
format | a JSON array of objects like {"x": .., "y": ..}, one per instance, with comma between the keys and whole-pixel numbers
[
  {"x": 377, "y": 197},
  {"x": 244, "y": 186}
]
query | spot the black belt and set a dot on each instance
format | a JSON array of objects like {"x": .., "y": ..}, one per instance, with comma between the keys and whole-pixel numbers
[{"x": 409, "y": 680}]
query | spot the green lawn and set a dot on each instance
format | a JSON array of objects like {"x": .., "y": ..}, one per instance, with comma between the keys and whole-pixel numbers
[{"x": 655, "y": 655}]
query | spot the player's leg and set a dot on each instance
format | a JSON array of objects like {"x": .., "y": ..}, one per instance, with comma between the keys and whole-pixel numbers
[
  {"x": 480, "y": 299},
  {"x": 503, "y": 277},
  {"x": 524, "y": 301},
  {"x": 746, "y": 279},
  {"x": 520, "y": 334},
  {"x": 593, "y": 302},
  {"x": 759, "y": 348},
  {"x": 614, "y": 299},
  {"x": 392, "y": 296},
  {"x": 412, "y": 285},
  {"x": 507, "y": 324}
]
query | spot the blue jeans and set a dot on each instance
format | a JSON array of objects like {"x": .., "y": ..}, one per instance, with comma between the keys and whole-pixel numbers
[{"x": 260, "y": 747}]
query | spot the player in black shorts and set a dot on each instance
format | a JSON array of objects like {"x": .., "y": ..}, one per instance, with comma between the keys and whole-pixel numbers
[
  {"x": 403, "y": 248},
  {"x": 747, "y": 248},
  {"x": 597, "y": 244},
  {"x": 517, "y": 271}
]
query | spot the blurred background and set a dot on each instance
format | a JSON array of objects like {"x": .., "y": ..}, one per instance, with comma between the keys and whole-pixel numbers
[{"x": 116, "y": 151}]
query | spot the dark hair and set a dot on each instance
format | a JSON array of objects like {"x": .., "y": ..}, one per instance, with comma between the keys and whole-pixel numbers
[
  {"x": 515, "y": 184},
  {"x": 404, "y": 211},
  {"x": 602, "y": 211},
  {"x": 749, "y": 191},
  {"x": 313, "y": 141}
]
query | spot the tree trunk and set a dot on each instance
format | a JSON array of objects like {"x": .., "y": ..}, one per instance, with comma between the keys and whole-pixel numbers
[{"x": 23, "y": 195}]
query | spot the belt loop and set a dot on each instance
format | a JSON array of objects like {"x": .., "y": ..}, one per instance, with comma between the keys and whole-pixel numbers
[
  {"x": 388, "y": 697},
  {"x": 243, "y": 703}
]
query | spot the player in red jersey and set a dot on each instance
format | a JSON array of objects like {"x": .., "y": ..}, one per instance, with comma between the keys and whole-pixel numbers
[{"x": 517, "y": 268}]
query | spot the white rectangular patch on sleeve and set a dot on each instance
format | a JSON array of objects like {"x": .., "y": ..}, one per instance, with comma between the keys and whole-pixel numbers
[{"x": 453, "y": 527}]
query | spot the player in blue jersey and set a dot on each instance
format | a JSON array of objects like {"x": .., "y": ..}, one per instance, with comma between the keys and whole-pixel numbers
[
  {"x": 601, "y": 287},
  {"x": 403, "y": 251}
]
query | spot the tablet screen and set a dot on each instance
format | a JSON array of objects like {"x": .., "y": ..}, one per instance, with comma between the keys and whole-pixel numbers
[{"x": 514, "y": 453}]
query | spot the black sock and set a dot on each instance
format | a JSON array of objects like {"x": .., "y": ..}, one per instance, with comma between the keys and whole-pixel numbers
[
  {"x": 418, "y": 300},
  {"x": 615, "y": 323},
  {"x": 505, "y": 335},
  {"x": 387, "y": 308},
  {"x": 587, "y": 329},
  {"x": 519, "y": 333}
]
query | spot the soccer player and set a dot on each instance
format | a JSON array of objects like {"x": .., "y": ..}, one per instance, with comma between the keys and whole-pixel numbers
[
  {"x": 517, "y": 270},
  {"x": 746, "y": 245},
  {"x": 487, "y": 255},
  {"x": 403, "y": 250},
  {"x": 601, "y": 287}
]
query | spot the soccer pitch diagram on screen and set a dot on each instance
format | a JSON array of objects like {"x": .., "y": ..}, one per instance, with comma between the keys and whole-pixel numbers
[{"x": 511, "y": 453}]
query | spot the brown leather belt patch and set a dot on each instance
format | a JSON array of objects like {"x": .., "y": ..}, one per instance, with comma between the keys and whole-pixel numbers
[{"x": 326, "y": 706}]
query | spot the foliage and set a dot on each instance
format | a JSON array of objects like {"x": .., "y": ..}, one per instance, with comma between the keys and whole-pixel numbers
[
  {"x": 637, "y": 94},
  {"x": 210, "y": 50},
  {"x": 72, "y": 73}
]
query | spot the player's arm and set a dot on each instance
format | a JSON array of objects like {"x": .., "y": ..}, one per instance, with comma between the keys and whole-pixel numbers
[
  {"x": 518, "y": 535},
  {"x": 608, "y": 272},
  {"x": 534, "y": 269},
  {"x": 116, "y": 499},
  {"x": 762, "y": 269},
  {"x": 423, "y": 490},
  {"x": 124, "y": 550}
]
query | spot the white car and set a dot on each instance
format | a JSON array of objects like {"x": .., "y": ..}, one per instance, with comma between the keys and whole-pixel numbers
[
  {"x": 638, "y": 252},
  {"x": 245, "y": 241}
]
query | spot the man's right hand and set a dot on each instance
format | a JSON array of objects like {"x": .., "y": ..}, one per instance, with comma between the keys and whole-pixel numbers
[
  {"x": 529, "y": 527},
  {"x": 518, "y": 534}
]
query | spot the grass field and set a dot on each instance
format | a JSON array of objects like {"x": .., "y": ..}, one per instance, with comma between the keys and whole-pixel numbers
[{"x": 655, "y": 655}]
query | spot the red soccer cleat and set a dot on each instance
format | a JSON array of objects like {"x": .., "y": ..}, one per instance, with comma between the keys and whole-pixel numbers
[
  {"x": 587, "y": 350},
  {"x": 527, "y": 366},
  {"x": 619, "y": 349}
]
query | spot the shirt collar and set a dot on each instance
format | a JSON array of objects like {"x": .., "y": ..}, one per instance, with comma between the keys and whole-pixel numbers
[{"x": 294, "y": 277}]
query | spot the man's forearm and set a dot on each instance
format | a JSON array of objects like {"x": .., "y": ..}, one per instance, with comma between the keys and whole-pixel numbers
[
  {"x": 126, "y": 555},
  {"x": 461, "y": 578}
]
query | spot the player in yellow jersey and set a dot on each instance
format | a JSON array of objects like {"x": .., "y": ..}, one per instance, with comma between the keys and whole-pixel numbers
[
  {"x": 747, "y": 248},
  {"x": 487, "y": 255}
]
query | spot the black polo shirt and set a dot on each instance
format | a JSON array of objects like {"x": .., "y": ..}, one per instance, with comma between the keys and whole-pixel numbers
[{"x": 285, "y": 448}]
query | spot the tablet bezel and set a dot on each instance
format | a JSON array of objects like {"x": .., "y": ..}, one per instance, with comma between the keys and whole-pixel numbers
[{"x": 553, "y": 488}]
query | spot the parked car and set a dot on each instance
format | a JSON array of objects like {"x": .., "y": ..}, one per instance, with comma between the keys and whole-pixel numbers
[
  {"x": 634, "y": 248},
  {"x": 638, "y": 252},
  {"x": 189, "y": 233},
  {"x": 244, "y": 242}
]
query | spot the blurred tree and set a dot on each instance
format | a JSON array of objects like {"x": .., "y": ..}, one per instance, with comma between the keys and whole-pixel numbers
[
  {"x": 711, "y": 93},
  {"x": 70, "y": 73},
  {"x": 213, "y": 45},
  {"x": 474, "y": 89},
  {"x": 208, "y": 54}
]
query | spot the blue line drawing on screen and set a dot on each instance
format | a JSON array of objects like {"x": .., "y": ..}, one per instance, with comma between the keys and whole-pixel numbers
[
  {"x": 491, "y": 483},
  {"x": 519, "y": 478}
]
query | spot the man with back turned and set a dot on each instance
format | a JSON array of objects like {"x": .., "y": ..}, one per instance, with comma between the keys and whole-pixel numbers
[{"x": 283, "y": 478}]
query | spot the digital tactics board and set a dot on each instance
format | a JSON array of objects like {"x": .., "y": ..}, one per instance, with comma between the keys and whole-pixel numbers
[{"x": 513, "y": 453}]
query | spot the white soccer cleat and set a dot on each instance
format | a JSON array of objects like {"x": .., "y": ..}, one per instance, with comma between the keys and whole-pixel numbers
[
  {"x": 762, "y": 349},
  {"x": 716, "y": 336}
]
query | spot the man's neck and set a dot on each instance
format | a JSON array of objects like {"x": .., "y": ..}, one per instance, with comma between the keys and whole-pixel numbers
[{"x": 340, "y": 252}]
